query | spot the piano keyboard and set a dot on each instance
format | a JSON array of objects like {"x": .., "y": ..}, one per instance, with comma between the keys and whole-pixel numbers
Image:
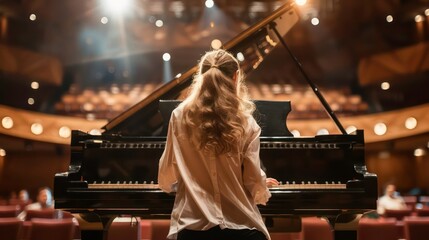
[
  {"x": 281, "y": 186},
  {"x": 264, "y": 145}
]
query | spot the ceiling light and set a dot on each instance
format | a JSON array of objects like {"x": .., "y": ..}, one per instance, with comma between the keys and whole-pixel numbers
[
  {"x": 296, "y": 133},
  {"x": 411, "y": 123},
  {"x": 385, "y": 85},
  {"x": 315, "y": 21},
  {"x": 209, "y": 3},
  {"x": 115, "y": 6},
  {"x": 64, "y": 132},
  {"x": 240, "y": 56},
  {"x": 301, "y": 2},
  {"x": 380, "y": 129},
  {"x": 30, "y": 101},
  {"x": 159, "y": 23},
  {"x": 350, "y": 129},
  {"x": 2, "y": 152},
  {"x": 7, "y": 122},
  {"x": 95, "y": 132},
  {"x": 35, "y": 85},
  {"x": 36, "y": 128},
  {"x": 104, "y": 20},
  {"x": 216, "y": 44},
  {"x": 418, "y": 18},
  {"x": 33, "y": 17},
  {"x": 166, "y": 57},
  {"x": 323, "y": 131},
  {"x": 389, "y": 18},
  {"x": 419, "y": 152}
]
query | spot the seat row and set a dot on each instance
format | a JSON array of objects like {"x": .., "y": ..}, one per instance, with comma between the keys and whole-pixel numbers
[{"x": 64, "y": 226}]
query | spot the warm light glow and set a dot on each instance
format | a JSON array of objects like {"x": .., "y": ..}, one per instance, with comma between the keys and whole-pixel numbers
[
  {"x": 104, "y": 20},
  {"x": 115, "y": 6},
  {"x": 301, "y": 2},
  {"x": 33, "y": 17},
  {"x": 315, "y": 21},
  {"x": 427, "y": 12},
  {"x": 296, "y": 133},
  {"x": 419, "y": 152},
  {"x": 240, "y": 56},
  {"x": 36, "y": 128},
  {"x": 323, "y": 131},
  {"x": 64, "y": 132},
  {"x": 384, "y": 154},
  {"x": 216, "y": 44},
  {"x": 410, "y": 123},
  {"x": 34, "y": 85},
  {"x": 2, "y": 152},
  {"x": 30, "y": 101},
  {"x": 166, "y": 57},
  {"x": 389, "y": 18},
  {"x": 95, "y": 132},
  {"x": 159, "y": 23},
  {"x": 380, "y": 129},
  {"x": 7, "y": 122},
  {"x": 385, "y": 85},
  {"x": 350, "y": 129},
  {"x": 418, "y": 18},
  {"x": 209, "y": 3}
]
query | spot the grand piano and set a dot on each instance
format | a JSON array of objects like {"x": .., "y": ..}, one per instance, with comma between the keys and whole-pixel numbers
[{"x": 115, "y": 173}]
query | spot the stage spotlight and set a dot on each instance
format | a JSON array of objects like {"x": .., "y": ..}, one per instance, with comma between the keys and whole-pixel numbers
[
  {"x": 115, "y": 6},
  {"x": 166, "y": 57},
  {"x": 209, "y": 3}
]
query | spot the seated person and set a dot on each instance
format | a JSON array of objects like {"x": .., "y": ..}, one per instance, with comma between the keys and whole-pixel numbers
[
  {"x": 44, "y": 201},
  {"x": 390, "y": 200}
]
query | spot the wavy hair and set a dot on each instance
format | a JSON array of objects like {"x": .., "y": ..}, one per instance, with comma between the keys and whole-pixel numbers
[{"x": 218, "y": 106}]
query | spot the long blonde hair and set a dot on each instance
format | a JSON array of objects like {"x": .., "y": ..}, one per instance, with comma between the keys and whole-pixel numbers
[{"x": 217, "y": 109}]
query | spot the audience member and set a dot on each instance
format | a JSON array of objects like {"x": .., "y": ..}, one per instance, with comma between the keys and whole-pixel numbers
[
  {"x": 24, "y": 197},
  {"x": 44, "y": 201},
  {"x": 390, "y": 200}
]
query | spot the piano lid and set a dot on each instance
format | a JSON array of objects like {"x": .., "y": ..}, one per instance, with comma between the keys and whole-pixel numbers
[{"x": 253, "y": 44}]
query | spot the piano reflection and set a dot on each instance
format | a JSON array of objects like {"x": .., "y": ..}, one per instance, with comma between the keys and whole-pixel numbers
[{"x": 115, "y": 173}]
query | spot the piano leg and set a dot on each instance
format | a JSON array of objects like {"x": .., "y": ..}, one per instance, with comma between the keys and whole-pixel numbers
[{"x": 94, "y": 226}]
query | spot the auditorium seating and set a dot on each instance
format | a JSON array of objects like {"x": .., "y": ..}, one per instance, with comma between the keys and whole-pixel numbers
[
  {"x": 416, "y": 228},
  {"x": 10, "y": 228},
  {"x": 422, "y": 212},
  {"x": 399, "y": 214},
  {"x": 314, "y": 228},
  {"x": 9, "y": 211},
  {"x": 376, "y": 229},
  {"x": 51, "y": 229},
  {"x": 44, "y": 213},
  {"x": 108, "y": 102}
]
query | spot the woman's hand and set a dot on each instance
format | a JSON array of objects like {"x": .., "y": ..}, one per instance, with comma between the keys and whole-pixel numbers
[{"x": 272, "y": 182}]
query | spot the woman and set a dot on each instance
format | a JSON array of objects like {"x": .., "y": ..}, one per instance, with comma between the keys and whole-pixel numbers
[{"x": 211, "y": 159}]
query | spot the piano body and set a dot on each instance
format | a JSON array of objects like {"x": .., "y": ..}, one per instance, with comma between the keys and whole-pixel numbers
[{"x": 115, "y": 173}]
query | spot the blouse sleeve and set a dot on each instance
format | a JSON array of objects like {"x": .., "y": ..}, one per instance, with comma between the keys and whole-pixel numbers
[
  {"x": 166, "y": 172},
  {"x": 254, "y": 177}
]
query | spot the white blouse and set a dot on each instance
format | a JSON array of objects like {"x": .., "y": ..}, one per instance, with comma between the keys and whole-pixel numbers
[{"x": 213, "y": 190}]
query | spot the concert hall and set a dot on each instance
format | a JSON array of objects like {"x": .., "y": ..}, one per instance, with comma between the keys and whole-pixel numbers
[{"x": 214, "y": 119}]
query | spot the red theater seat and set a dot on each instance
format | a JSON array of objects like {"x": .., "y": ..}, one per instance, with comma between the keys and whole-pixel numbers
[
  {"x": 376, "y": 229},
  {"x": 314, "y": 228},
  {"x": 10, "y": 228},
  {"x": 416, "y": 228},
  {"x": 9, "y": 211},
  {"x": 51, "y": 229}
]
